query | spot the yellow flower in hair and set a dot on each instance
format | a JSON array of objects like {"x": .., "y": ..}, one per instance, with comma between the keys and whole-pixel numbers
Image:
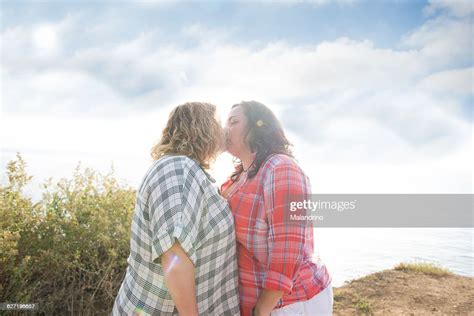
[{"x": 259, "y": 123}]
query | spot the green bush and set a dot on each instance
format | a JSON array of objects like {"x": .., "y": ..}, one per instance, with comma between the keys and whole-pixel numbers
[{"x": 68, "y": 252}]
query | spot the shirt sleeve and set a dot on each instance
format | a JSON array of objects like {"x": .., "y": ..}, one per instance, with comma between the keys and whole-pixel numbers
[
  {"x": 286, "y": 239},
  {"x": 172, "y": 219}
]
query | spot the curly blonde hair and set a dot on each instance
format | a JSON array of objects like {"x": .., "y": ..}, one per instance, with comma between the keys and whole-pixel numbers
[{"x": 192, "y": 130}]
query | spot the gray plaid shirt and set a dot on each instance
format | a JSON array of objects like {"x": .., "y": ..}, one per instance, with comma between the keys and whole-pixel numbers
[{"x": 177, "y": 200}]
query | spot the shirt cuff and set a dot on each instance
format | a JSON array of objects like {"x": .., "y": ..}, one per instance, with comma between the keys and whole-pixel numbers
[
  {"x": 277, "y": 281},
  {"x": 165, "y": 240}
]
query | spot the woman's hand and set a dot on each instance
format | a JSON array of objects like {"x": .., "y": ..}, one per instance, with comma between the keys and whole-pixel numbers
[
  {"x": 257, "y": 312},
  {"x": 267, "y": 301}
]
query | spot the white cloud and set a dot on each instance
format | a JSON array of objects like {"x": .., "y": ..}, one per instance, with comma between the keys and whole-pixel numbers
[
  {"x": 443, "y": 41},
  {"x": 40, "y": 45},
  {"x": 362, "y": 118},
  {"x": 456, "y": 81},
  {"x": 45, "y": 39},
  {"x": 315, "y": 3},
  {"x": 61, "y": 92},
  {"x": 459, "y": 8}
]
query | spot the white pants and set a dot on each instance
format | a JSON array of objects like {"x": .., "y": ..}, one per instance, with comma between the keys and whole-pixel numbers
[{"x": 318, "y": 305}]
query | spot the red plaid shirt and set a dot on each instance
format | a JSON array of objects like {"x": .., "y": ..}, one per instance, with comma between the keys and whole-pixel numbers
[{"x": 273, "y": 253}]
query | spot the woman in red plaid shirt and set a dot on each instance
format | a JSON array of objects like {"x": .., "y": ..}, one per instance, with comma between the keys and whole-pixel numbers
[{"x": 278, "y": 274}]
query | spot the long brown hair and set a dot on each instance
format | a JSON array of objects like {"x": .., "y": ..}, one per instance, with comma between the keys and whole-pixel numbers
[
  {"x": 264, "y": 135},
  {"x": 192, "y": 130}
]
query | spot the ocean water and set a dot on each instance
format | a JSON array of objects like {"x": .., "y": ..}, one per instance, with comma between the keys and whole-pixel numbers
[{"x": 350, "y": 253}]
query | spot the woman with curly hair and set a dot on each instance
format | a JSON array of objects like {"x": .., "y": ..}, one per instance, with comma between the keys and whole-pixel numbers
[
  {"x": 182, "y": 248},
  {"x": 278, "y": 274}
]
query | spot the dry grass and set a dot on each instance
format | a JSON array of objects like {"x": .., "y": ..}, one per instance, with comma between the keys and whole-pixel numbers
[{"x": 426, "y": 268}]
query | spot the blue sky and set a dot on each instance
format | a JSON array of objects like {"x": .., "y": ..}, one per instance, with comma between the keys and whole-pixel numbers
[
  {"x": 375, "y": 95},
  {"x": 382, "y": 22}
]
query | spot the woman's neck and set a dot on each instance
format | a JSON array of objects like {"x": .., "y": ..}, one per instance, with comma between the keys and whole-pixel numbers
[{"x": 247, "y": 160}]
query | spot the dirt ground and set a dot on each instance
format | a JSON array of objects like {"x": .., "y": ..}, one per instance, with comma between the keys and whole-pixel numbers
[{"x": 393, "y": 292}]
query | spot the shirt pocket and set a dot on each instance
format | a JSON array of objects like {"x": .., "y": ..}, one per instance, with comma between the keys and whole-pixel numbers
[
  {"x": 257, "y": 222},
  {"x": 257, "y": 231}
]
